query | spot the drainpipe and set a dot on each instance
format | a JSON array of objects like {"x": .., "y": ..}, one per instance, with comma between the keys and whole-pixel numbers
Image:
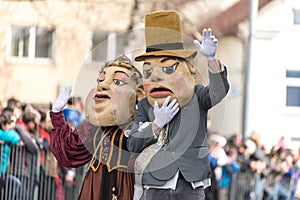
[{"x": 253, "y": 10}]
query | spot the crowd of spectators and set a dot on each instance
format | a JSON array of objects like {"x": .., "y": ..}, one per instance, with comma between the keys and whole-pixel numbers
[
  {"x": 28, "y": 165},
  {"x": 247, "y": 165},
  {"x": 28, "y": 169}
]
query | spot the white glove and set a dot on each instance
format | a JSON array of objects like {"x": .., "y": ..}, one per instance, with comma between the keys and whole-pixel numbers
[
  {"x": 61, "y": 100},
  {"x": 165, "y": 113},
  {"x": 209, "y": 45}
]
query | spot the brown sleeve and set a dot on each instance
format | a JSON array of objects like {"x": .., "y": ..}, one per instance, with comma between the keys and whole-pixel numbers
[{"x": 67, "y": 145}]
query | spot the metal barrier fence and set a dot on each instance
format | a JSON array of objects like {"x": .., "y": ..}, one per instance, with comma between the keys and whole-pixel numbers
[
  {"x": 242, "y": 186},
  {"x": 248, "y": 185},
  {"x": 35, "y": 177},
  {"x": 39, "y": 177}
]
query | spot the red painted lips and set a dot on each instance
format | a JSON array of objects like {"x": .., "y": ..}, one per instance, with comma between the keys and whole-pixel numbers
[
  {"x": 101, "y": 97},
  {"x": 160, "y": 92}
]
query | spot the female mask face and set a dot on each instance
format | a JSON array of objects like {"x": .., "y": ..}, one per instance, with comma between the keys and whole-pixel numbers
[
  {"x": 112, "y": 101},
  {"x": 167, "y": 76}
]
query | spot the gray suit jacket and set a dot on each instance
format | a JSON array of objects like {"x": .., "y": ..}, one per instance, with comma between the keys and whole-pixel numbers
[{"x": 186, "y": 147}]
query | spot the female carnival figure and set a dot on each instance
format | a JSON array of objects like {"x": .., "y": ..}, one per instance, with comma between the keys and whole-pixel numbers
[{"x": 100, "y": 140}]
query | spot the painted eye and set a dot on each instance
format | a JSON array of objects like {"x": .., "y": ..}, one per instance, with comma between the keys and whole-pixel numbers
[
  {"x": 99, "y": 81},
  {"x": 147, "y": 73},
  {"x": 101, "y": 78},
  {"x": 170, "y": 69},
  {"x": 119, "y": 82}
]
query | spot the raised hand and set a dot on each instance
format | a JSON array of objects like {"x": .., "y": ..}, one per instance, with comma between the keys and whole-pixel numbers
[
  {"x": 61, "y": 100},
  {"x": 166, "y": 112},
  {"x": 209, "y": 45}
]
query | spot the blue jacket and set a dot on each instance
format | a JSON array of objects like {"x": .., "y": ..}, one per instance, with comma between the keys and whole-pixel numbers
[
  {"x": 227, "y": 171},
  {"x": 9, "y": 137}
]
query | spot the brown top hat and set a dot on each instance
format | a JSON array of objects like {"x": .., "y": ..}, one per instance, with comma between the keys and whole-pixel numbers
[{"x": 164, "y": 37}]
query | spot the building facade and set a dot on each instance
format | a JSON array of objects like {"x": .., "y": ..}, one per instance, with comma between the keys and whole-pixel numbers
[
  {"x": 49, "y": 45},
  {"x": 45, "y": 43}
]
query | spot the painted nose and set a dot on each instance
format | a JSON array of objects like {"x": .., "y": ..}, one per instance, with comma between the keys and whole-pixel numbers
[
  {"x": 156, "y": 75},
  {"x": 103, "y": 86}
]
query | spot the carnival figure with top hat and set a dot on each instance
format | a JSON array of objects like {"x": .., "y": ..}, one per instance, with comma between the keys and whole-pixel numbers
[{"x": 169, "y": 134}]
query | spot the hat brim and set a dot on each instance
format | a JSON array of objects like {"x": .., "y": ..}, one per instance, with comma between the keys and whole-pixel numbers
[{"x": 172, "y": 53}]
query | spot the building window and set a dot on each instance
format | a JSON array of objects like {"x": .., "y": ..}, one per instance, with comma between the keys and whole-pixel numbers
[
  {"x": 107, "y": 45},
  {"x": 19, "y": 42},
  {"x": 32, "y": 42},
  {"x": 44, "y": 43},
  {"x": 296, "y": 17},
  {"x": 122, "y": 43},
  {"x": 293, "y": 88},
  {"x": 99, "y": 45}
]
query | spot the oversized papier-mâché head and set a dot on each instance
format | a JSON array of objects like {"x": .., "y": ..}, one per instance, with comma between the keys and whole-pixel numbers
[
  {"x": 113, "y": 100},
  {"x": 167, "y": 67}
]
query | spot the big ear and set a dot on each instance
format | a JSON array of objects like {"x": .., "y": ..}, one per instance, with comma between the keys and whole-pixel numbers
[{"x": 140, "y": 93}]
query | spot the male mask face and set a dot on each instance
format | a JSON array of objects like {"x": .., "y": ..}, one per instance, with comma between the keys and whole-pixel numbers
[{"x": 167, "y": 76}]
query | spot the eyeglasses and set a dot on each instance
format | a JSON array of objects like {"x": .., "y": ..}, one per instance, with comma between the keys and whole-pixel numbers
[{"x": 165, "y": 69}]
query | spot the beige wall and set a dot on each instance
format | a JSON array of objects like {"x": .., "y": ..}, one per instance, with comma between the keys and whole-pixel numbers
[
  {"x": 227, "y": 116},
  {"x": 38, "y": 81}
]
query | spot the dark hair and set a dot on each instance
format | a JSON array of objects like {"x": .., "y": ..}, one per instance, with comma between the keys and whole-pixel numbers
[
  {"x": 43, "y": 116},
  {"x": 12, "y": 103},
  {"x": 73, "y": 100},
  {"x": 28, "y": 117},
  {"x": 8, "y": 111},
  {"x": 4, "y": 119}
]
